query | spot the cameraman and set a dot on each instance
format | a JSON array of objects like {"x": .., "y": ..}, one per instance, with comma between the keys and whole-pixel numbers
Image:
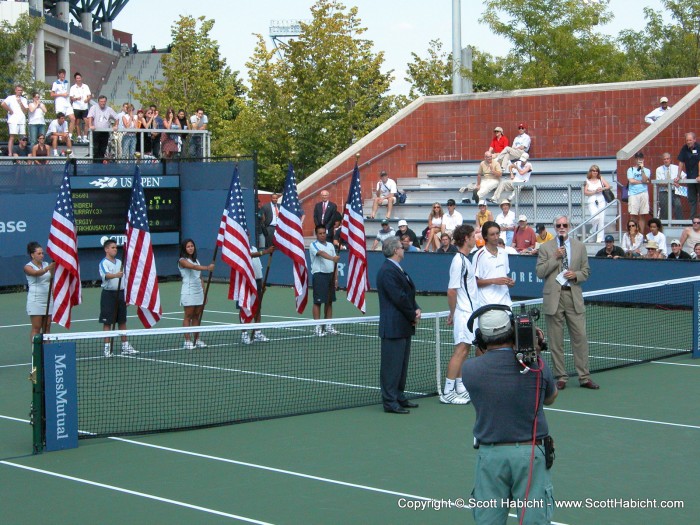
[
  {"x": 508, "y": 401},
  {"x": 638, "y": 178}
]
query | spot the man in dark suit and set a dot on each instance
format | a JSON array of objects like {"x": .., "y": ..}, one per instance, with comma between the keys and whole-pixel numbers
[
  {"x": 324, "y": 212},
  {"x": 270, "y": 212},
  {"x": 398, "y": 316},
  {"x": 563, "y": 264}
]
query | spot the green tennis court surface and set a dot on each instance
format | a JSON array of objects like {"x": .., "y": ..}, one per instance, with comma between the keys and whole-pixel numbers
[{"x": 630, "y": 442}]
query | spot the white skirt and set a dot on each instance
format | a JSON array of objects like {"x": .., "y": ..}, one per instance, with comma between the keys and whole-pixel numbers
[
  {"x": 192, "y": 299},
  {"x": 37, "y": 307}
]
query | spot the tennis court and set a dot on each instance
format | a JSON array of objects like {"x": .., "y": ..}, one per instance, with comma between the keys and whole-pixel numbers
[{"x": 630, "y": 442}]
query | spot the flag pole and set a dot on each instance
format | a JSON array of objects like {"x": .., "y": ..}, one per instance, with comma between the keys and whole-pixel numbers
[
  {"x": 206, "y": 288},
  {"x": 46, "y": 322}
]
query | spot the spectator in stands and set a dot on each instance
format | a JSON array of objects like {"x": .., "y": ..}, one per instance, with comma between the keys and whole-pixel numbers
[
  {"x": 696, "y": 252},
  {"x": 407, "y": 244},
  {"x": 508, "y": 249},
  {"x": 23, "y": 149},
  {"x": 385, "y": 194},
  {"x": 653, "y": 251},
  {"x": 383, "y": 234},
  {"x": 543, "y": 235},
  {"x": 520, "y": 172},
  {"x": 80, "y": 96},
  {"x": 521, "y": 144},
  {"x": 524, "y": 238},
  {"x": 506, "y": 221},
  {"x": 677, "y": 253},
  {"x": 16, "y": 107},
  {"x": 688, "y": 159},
  {"x": 129, "y": 124},
  {"x": 147, "y": 122},
  {"x": 593, "y": 189},
  {"x": 60, "y": 93},
  {"x": 40, "y": 149},
  {"x": 483, "y": 215},
  {"x": 491, "y": 172},
  {"x": 118, "y": 132},
  {"x": 656, "y": 234},
  {"x": 452, "y": 218},
  {"x": 435, "y": 228},
  {"x": 99, "y": 118},
  {"x": 168, "y": 141},
  {"x": 405, "y": 230},
  {"x": 658, "y": 112},
  {"x": 638, "y": 178},
  {"x": 58, "y": 133},
  {"x": 445, "y": 245},
  {"x": 198, "y": 122},
  {"x": 184, "y": 124},
  {"x": 324, "y": 211},
  {"x": 610, "y": 251},
  {"x": 632, "y": 240},
  {"x": 669, "y": 172},
  {"x": 37, "y": 119},
  {"x": 499, "y": 141},
  {"x": 691, "y": 236},
  {"x": 156, "y": 136}
]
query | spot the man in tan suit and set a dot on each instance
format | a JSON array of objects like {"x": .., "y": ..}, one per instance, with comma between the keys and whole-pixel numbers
[{"x": 563, "y": 264}]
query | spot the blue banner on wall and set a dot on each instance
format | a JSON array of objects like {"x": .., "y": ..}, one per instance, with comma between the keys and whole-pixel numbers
[{"x": 60, "y": 396}]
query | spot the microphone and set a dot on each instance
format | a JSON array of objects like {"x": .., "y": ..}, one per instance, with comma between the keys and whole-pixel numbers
[{"x": 561, "y": 240}]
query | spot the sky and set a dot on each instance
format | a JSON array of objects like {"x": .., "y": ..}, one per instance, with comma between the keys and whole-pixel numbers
[{"x": 397, "y": 27}]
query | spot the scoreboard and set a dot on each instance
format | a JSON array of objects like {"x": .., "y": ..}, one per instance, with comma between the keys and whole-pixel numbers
[{"x": 101, "y": 204}]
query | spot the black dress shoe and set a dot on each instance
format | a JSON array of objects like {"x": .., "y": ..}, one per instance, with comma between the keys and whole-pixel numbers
[
  {"x": 397, "y": 410},
  {"x": 408, "y": 404}
]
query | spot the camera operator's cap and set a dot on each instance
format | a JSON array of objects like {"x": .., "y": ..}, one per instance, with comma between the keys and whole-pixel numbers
[
  {"x": 522, "y": 125},
  {"x": 662, "y": 100},
  {"x": 504, "y": 201},
  {"x": 383, "y": 174},
  {"x": 494, "y": 322},
  {"x": 402, "y": 222},
  {"x": 609, "y": 238},
  {"x": 384, "y": 221},
  {"x": 676, "y": 242},
  {"x": 652, "y": 245},
  {"x": 498, "y": 128},
  {"x": 482, "y": 203},
  {"x": 522, "y": 218}
]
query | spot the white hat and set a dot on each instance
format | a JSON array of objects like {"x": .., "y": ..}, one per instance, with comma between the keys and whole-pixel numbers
[
  {"x": 524, "y": 157},
  {"x": 402, "y": 222},
  {"x": 505, "y": 201},
  {"x": 652, "y": 244},
  {"x": 494, "y": 322},
  {"x": 675, "y": 241},
  {"x": 482, "y": 203},
  {"x": 522, "y": 218},
  {"x": 663, "y": 99}
]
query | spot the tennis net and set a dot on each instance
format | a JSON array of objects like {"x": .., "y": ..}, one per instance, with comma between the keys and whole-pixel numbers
[{"x": 168, "y": 387}]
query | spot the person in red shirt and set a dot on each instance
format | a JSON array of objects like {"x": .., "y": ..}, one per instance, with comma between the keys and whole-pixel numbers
[
  {"x": 499, "y": 142},
  {"x": 524, "y": 239}
]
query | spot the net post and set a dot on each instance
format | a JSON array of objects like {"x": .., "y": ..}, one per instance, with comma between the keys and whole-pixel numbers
[
  {"x": 438, "y": 365},
  {"x": 696, "y": 320},
  {"x": 37, "y": 414}
]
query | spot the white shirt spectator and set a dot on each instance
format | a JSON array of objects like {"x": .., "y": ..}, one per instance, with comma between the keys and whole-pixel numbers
[
  {"x": 55, "y": 127},
  {"x": 80, "y": 92},
  {"x": 522, "y": 141},
  {"x": 198, "y": 123},
  {"x": 520, "y": 166},
  {"x": 100, "y": 117},
  {"x": 671, "y": 172},
  {"x": 18, "y": 107},
  {"x": 656, "y": 114},
  {"x": 452, "y": 221},
  {"x": 388, "y": 189},
  {"x": 506, "y": 220},
  {"x": 38, "y": 115},
  {"x": 61, "y": 87}
]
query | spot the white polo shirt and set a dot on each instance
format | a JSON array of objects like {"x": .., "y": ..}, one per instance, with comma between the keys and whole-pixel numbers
[
  {"x": 487, "y": 266},
  {"x": 463, "y": 280}
]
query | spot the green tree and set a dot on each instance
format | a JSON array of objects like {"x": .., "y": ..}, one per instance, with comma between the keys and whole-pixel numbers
[
  {"x": 195, "y": 75},
  {"x": 14, "y": 39},
  {"x": 431, "y": 75},
  {"x": 663, "y": 50},
  {"x": 555, "y": 42}
]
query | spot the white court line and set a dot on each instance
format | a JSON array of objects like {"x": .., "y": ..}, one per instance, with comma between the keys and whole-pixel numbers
[
  {"x": 653, "y": 422},
  {"x": 673, "y": 364},
  {"x": 136, "y": 493}
]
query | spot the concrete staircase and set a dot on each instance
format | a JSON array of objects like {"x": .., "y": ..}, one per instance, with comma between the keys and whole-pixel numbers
[{"x": 119, "y": 87}]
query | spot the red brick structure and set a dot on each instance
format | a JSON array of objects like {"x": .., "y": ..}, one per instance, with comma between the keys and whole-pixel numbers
[{"x": 577, "y": 121}]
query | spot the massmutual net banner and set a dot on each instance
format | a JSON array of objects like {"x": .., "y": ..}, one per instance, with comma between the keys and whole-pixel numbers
[{"x": 60, "y": 396}]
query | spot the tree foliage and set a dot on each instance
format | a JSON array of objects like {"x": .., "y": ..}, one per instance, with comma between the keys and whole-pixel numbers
[
  {"x": 666, "y": 50},
  {"x": 15, "y": 66},
  {"x": 195, "y": 75},
  {"x": 431, "y": 75}
]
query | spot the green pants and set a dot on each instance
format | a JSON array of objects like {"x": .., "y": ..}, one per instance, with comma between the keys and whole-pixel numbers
[{"x": 500, "y": 484}]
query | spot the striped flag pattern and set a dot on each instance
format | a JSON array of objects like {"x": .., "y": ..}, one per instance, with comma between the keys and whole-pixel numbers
[
  {"x": 353, "y": 233},
  {"x": 235, "y": 251},
  {"x": 140, "y": 265},
  {"x": 290, "y": 240},
  {"x": 63, "y": 249}
]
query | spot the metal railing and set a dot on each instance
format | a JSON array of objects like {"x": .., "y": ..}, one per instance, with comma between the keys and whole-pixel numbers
[{"x": 674, "y": 208}]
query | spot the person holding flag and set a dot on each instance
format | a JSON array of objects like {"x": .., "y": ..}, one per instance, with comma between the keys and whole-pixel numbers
[
  {"x": 324, "y": 269},
  {"x": 112, "y": 301},
  {"x": 192, "y": 292},
  {"x": 63, "y": 249},
  {"x": 235, "y": 251},
  {"x": 289, "y": 238},
  {"x": 39, "y": 274},
  {"x": 256, "y": 335},
  {"x": 353, "y": 234}
]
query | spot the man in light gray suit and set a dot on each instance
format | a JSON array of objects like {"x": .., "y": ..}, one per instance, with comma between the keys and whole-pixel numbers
[{"x": 563, "y": 264}]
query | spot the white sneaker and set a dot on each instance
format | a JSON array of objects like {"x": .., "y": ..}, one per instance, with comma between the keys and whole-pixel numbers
[
  {"x": 189, "y": 345},
  {"x": 245, "y": 338},
  {"x": 108, "y": 350},
  {"x": 200, "y": 344},
  {"x": 319, "y": 332},
  {"x": 127, "y": 349},
  {"x": 453, "y": 398},
  {"x": 465, "y": 395},
  {"x": 330, "y": 330},
  {"x": 55, "y": 153},
  {"x": 259, "y": 336}
]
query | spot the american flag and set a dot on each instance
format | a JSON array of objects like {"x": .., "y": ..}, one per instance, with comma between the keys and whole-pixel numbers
[
  {"x": 353, "y": 233},
  {"x": 63, "y": 249},
  {"x": 140, "y": 266},
  {"x": 235, "y": 251},
  {"x": 290, "y": 240}
]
